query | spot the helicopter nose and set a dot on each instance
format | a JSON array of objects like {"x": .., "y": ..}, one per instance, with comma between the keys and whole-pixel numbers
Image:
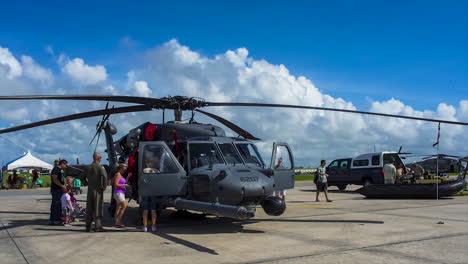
[{"x": 244, "y": 186}]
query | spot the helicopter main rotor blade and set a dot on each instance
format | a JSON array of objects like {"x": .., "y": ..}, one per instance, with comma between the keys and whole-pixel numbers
[
  {"x": 231, "y": 125},
  {"x": 119, "y": 110},
  {"x": 157, "y": 103},
  {"x": 335, "y": 110}
]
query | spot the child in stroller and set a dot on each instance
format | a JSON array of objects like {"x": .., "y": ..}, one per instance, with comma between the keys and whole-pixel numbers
[{"x": 78, "y": 210}]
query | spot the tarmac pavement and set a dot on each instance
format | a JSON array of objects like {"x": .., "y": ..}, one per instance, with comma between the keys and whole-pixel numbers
[{"x": 350, "y": 229}]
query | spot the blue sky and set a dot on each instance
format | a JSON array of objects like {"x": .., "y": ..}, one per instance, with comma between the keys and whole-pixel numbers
[
  {"x": 365, "y": 52},
  {"x": 351, "y": 49}
]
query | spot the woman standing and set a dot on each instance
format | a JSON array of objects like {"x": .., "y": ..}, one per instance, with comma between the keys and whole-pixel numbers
[{"x": 119, "y": 194}]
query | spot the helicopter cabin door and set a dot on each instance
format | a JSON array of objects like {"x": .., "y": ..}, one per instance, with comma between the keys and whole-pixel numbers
[
  {"x": 159, "y": 171},
  {"x": 282, "y": 163}
]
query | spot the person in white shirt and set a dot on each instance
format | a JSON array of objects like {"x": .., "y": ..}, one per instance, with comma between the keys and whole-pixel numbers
[
  {"x": 67, "y": 207},
  {"x": 389, "y": 171}
]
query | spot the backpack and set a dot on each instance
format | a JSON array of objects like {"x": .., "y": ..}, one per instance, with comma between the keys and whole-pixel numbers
[{"x": 316, "y": 176}]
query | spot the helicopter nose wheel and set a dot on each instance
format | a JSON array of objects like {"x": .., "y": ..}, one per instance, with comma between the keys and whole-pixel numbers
[{"x": 273, "y": 205}]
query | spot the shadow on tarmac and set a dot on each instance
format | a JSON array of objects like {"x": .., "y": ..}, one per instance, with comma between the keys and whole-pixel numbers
[
  {"x": 331, "y": 191},
  {"x": 186, "y": 243},
  {"x": 23, "y": 212},
  {"x": 321, "y": 221}
]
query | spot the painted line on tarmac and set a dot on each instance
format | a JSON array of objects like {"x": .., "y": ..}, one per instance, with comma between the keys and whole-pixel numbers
[
  {"x": 305, "y": 206},
  {"x": 14, "y": 241},
  {"x": 310, "y": 206}
]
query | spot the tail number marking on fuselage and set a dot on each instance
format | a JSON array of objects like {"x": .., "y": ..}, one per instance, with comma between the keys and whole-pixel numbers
[{"x": 249, "y": 179}]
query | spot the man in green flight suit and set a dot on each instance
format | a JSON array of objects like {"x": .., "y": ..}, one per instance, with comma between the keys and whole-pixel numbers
[{"x": 97, "y": 183}]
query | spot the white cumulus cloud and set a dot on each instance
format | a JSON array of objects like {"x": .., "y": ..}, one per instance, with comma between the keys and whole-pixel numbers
[
  {"x": 34, "y": 70},
  {"x": 141, "y": 89},
  {"x": 84, "y": 73},
  {"x": 9, "y": 66}
]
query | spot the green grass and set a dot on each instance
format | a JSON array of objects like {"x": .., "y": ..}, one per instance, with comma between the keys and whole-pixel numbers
[
  {"x": 28, "y": 178},
  {"x": 305, "y": 177}
]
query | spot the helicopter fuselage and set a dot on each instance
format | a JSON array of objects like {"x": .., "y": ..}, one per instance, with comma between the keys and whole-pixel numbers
[{"x": 196, "y": 167}]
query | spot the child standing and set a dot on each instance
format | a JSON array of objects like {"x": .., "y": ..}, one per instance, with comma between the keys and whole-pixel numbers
[{"x": 66, "y": 207}]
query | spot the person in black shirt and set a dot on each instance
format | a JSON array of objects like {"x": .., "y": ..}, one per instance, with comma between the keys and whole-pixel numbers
[{"x": 57, "y": 188}]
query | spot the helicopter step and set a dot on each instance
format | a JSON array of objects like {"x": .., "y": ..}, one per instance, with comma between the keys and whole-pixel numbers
[{"x": 236, "y": 212}]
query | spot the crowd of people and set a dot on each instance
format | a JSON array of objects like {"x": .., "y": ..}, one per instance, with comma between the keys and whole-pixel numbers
[
  {"x": 14, "y": 181},
  {"x": 394, "y": 172},
  {"x": 62, "y": 208}
]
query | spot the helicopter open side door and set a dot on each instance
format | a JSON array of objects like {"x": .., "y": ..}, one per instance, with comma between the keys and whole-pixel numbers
[
  {"x": 282, "y": 163},
  {"x": 159, "y": 170}
]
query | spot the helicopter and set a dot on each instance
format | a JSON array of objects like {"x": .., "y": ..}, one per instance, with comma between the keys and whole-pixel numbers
[{"x": 195, "y": 166}]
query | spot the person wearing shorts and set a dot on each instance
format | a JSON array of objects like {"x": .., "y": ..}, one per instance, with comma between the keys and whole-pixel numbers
[
  {"x": 149, "y": 203},
  {"x": 119, "y": 194},
  {"x": 322, "y": 183},
  {"x": 67, "y": 207}
]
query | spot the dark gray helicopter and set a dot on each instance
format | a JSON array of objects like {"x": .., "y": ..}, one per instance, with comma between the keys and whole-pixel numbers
[
  {"x": 194, "y": 166},
  {"x": 441, "y": 163}
]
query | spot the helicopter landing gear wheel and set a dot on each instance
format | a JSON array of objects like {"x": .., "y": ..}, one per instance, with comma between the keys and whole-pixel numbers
[
  {"x": 341, "y": 187},
  {"x": 367, "y": 182}
]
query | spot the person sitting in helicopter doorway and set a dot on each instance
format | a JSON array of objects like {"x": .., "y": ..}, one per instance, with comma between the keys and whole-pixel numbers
[
  {"x": 390, "y": 172},
  {"x": 152, "y": 165},
  {"x": 279, "y": 164},
  {"x": 322, "y": 182}
]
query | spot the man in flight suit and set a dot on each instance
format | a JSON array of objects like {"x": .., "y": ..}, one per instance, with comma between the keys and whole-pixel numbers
[{"x": 97, "y": 183}]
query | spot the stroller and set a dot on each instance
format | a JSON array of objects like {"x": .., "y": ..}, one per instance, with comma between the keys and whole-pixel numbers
[{"x": 78, "y": 210}]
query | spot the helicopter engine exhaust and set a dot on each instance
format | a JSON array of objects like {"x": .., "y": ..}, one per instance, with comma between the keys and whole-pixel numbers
[
  {"x": 236, "y": 212},
  {"x": 273, "y": 205}
]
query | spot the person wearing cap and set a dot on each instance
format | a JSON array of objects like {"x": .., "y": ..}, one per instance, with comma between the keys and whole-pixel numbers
[
  {"x": 120, "y": 185},
  {"x": 57, "y": 188},
  {"x": 97, "y": 183},
  {"x": 418, "y": 171}
]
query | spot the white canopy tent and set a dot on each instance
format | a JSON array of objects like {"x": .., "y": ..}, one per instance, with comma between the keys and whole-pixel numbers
[{"x": 27, "y": 160}]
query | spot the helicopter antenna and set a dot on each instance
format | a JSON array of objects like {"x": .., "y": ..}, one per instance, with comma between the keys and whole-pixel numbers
[{"x": 164, "y": 115}]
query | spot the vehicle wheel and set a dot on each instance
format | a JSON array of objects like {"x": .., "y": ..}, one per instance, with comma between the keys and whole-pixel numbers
[
  {"x": 341, "y": 187},
  {"x": 367, "y": 182}
]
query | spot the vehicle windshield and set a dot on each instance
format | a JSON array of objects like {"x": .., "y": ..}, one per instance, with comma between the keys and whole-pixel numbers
[
  {"x": 204, "y": 154},
  {"x": 250, "y": 154},
  {"x": 229, "y": 153}
]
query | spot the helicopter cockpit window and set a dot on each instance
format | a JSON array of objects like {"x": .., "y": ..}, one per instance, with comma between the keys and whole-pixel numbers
[
  {"x": 229, "y": 153},
  {"x": 157, "y": 160},
  {"x": 283, "y": 160},
  {"x": 250, "y": 154},
  {"x": 203, "y": 154}
]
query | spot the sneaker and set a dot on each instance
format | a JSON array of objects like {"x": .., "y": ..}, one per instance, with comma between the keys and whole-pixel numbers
[
  {"x": 154, "y": 229},
  {"x": 329, "y": 201},
  {"x": 67, "y": 225},
  {"x": 144, "y": 229}
]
